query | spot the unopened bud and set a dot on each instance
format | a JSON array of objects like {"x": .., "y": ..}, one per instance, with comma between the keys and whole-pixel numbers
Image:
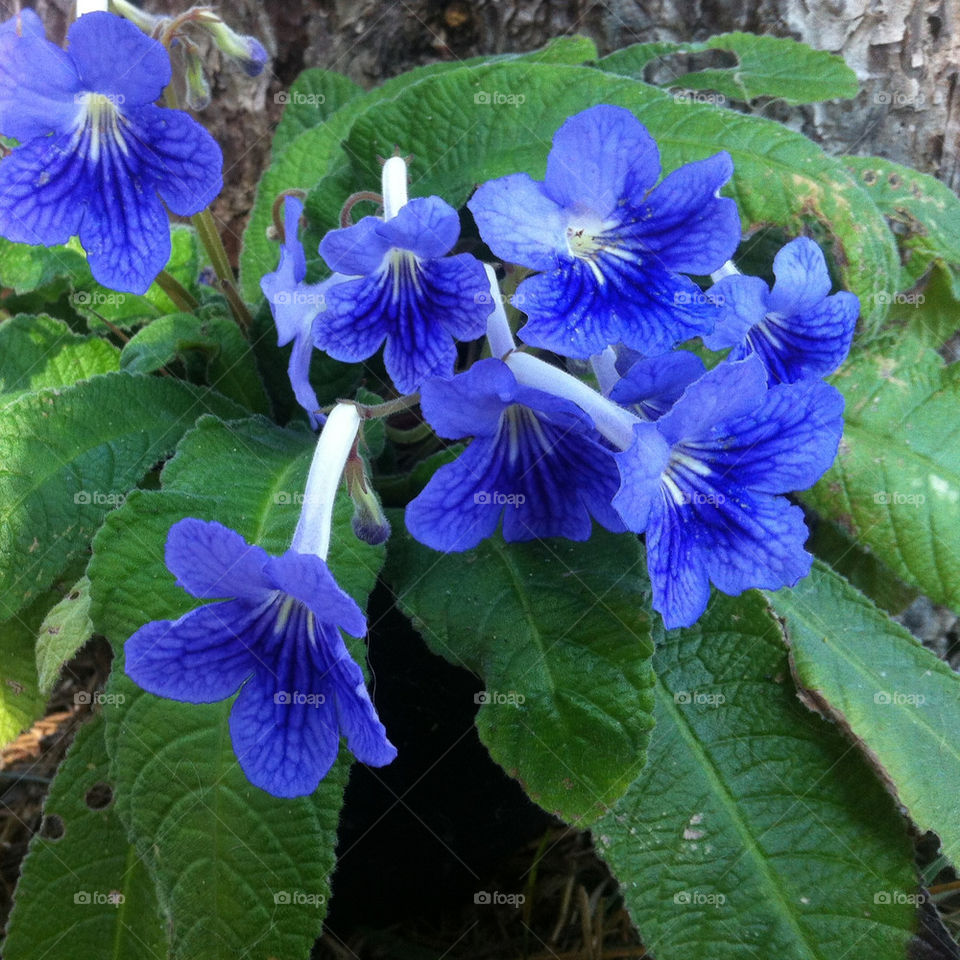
[
  {"x": 369, "y": 522},
  {"x": 248, "y": 51},
  {"x": 197, "y": 86}
]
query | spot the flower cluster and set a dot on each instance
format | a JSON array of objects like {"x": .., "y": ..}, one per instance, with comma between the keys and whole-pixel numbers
[{"x": 699, "y": 461}]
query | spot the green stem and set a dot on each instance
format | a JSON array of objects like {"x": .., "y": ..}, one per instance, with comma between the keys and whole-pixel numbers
[
  {"x": 183, "y": 299},
  {"x": 210, "y": 238}
]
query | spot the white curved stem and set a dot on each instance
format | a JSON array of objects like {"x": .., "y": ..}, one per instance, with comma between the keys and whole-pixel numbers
[
  {"x": 333, "y": 448},
  {"x": 394, "y": 181},
  {"x": 612, "y": 420},
  {"x": 499, "y": 335},
  {"x": 605, "y": 369},
  {"x": 91, "y": 6},
  {"x": 727, "y": 270}
]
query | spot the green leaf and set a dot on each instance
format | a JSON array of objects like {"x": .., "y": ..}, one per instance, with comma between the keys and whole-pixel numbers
[
  {"x": 899, "y": 701},
  {"x": 925, "y": 214},
  {"x": 766, "y": 67},
  {"x": 754, "y": 829},
  {"x": 316, "y": 94},
  {"x": 39, "y": 351},
  {"x": 86, "y": 891},
  {"x": 780, "y": 176},
  {"x": 65, "y": 629},
  {"x": 560, "y": 634},
  {"x": 69, "y": 455},
  {"x": 25, "y": 268},
  {"x": 224, "y": 854},
  {"x": 21, "y": 700},
  {"x": 226, "y": 361},
  {"x": 895, "y": 486}
]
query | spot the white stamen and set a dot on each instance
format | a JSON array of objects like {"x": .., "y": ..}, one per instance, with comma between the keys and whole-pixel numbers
[
  {"x": 333, "y": 448},
  {"x": 394, "y": 179},
  {"x": 498, "y": 328},
  {"x": 612, "y": 420}
]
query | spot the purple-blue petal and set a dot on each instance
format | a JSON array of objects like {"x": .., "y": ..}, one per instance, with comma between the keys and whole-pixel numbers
[
  {"x": 357, "y": 250},
  {"x": 802, "y": 278},
  {"x": 291, "y": 250},
  {"x": 202, "y": 657},
  {"x": 44, "y": 191},
  {"x": 298, "y": 372},
  {"x": 116, "y": 58},
  {"x": 727, "y": 391},
  {"x": 520, "y": 223},
  {"x": 742, "y": 301},
  {"x": 685, "y": 224},
  {"x": 600, "y": 157},
  {"x": 359, "y": 723},
  {"x": 285, "y": 748},
  {"x": 654, "y": 384},
  {"x": 641, "y": 467},
  {"x": 308, "y": 578},
  {"x": 183, "y": 160},
  {"x": 427, "y": 226},
  {"x": 210, "y": 561},
  {"x": 38, "y": 81},
  {"x": 469, "y": 404}
]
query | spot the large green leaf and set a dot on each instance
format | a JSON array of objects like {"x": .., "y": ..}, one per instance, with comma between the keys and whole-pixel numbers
[
  {"x": 925, "y": 211},
  {"x": 224, "y": 358},
  {"x": 84, "y": 893},
  {"x": 899, "y": 700},
  {"x": 560, "y": 634},
  {"x": 317, "y": 151},
  {"x": 69, "y": 455},
  {"x": 765, "y": 67},
  {"x": 895, "y": 486},
  {"x": 315, "y": 95},
  {"x": 39, "y": 351},
  {"x": 755, "y": 830},
  {"x": 24, "y": 267},
  {"x": 780, "y": 176},
  {"x": 239, "y": 872}
]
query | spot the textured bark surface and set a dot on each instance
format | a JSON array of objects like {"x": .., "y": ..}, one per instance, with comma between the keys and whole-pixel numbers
[{"x": 905, "y": 52}]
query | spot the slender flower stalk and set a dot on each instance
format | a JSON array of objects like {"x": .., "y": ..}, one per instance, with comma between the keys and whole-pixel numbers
[{"x": 499, "y": 335}]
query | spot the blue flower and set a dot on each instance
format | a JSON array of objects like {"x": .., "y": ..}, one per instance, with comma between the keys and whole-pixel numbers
[
  {"x": 704, "y": 483},
  {"x": 610, "y": 245},
  {"x": 278, "y": 642},
  {"x": 535, "y": 459},
  {"x": 95, "y": 151},
  {"x": 403, "y": 289},
  {"x": 295, "y": 306},
  {"x": 795, "y": 328},
  {"x": 652, "y": 385}
]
